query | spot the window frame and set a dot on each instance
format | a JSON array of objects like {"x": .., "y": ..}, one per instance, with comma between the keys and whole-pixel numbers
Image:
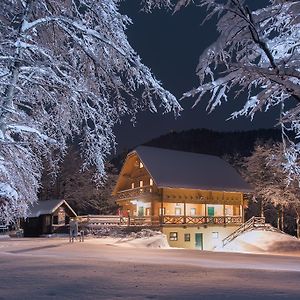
[
  {"x": 173, "y": 236},
  {"x": 187, "y": 237}
]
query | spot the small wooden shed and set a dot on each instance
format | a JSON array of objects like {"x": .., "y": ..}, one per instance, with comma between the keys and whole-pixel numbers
[{"x": 47, "y": 217}]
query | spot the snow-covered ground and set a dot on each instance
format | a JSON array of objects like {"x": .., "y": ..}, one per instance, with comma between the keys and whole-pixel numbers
[
  {"x": 159, "y": 241},
  {"x": 100, "y": 269},
  {"x": 261, "y": 241}
]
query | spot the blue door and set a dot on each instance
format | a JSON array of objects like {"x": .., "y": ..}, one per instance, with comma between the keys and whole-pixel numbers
[{"x": 199, "y": 241}]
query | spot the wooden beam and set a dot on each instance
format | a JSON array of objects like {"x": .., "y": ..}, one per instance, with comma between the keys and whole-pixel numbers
[{"x": 184, "y": 212}]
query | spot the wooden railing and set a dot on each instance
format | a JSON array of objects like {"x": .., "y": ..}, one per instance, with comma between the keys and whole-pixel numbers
[
  {"x": 135, "y": 192},
  {"x": 103, "y": 220},
  {"x": 137, "y": 221},
  {"x": 167, "y": 219},
  {"x": 253, "y": 223}
]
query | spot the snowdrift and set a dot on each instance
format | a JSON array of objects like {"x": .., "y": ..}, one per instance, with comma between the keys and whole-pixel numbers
[
  {"x": 261, "y": 241},
  {"x": 143, "y": 239},
  {"x": 4, "y": 237}
]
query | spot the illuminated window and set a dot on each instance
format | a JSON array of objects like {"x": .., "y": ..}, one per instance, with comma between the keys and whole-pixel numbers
[
  {"x": 141, "y": 165},
  {"x": 147, "y": 211},
  {"x": 187, "y": 237},
  {"x": 132, "y": 185},
  {"x": 177, "y": 211},
  {"x": 173, "y": 236},
  {"x": 141, "y": 183},
  {"x": 215, "y": 235},
  {"x": 151, "y": 181},
  {"x": 193, "y": 211}
]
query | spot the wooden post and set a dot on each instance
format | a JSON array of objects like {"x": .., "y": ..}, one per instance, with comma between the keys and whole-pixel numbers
[
  {"x": 184, "y": 212},
  {"x": 161, "y": 218},
  {"x": 205, "y": 213},
  {"x": 224, "y": 215},
  {"x": 243, "y": 209}
]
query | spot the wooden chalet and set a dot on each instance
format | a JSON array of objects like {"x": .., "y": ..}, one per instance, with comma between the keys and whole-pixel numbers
[
  {"x": 48, "y": 217},
  {"x": 197, "y": 200}
]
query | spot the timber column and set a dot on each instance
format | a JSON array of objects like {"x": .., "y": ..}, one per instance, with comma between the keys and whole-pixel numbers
[{"x": 161, "y": 217}]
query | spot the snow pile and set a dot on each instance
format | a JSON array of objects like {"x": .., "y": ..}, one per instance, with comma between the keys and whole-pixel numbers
[
  {"x": 4, "y": 237},
  {"x": 158, "y": 241},
  {"x": 145, "y": 238},
  {"x": 259, "y": 241}
]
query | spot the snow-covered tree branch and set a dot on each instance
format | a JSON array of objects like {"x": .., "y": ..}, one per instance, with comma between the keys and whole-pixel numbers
[
  {"x": 66, "y": 70},
  {"x": 257, "y": 57},
  {"x": 263, "y": 170}
]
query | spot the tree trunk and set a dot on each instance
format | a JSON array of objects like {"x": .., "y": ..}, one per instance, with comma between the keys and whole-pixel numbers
[
  {"x": 7, "y": 105},
  {"x": 282, "y": 218},
  {"x": 278, "y": 217},
  {"x": 298, "y": 224},
  {"x": 262, "y": 208}
]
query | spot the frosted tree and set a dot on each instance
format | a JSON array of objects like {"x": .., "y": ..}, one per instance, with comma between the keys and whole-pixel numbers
[
  {"x": 66, "y": 71},
  {"x": 263, "y": 170},
  {"x": 257, "y": 58}
]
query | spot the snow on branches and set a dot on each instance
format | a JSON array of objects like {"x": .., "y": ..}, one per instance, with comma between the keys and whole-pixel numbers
[
  {"x": 263, "y": 170},
  {"x": 256, "y": 56},
  {"x": 66, "y": 70}
]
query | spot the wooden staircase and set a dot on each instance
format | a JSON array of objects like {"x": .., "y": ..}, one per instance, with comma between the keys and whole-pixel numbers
[{"x": 253, "y": 223}]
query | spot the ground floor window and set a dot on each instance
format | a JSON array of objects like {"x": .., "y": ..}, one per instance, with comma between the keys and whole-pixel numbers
[
  {"x": 187, "y": 237},
  {"x": 215, "y": 235},
  {"x": 173, "y": 236}
]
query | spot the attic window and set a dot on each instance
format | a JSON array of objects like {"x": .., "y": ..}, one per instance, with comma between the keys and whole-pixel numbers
[
  {"x": 151, "y": 181},
  {"x": 141, "y": 165}
]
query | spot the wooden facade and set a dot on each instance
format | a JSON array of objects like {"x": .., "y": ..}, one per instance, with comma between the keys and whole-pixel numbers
[
  {"x": 143, "y": 202},
  {"x": 48, "y": 217}
]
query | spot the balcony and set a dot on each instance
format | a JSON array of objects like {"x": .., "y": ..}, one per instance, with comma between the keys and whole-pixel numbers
[
  {"x": 217, "y": 220},
  {"x": 181, "y": 220},
  {"x": 134, "y": 193}
]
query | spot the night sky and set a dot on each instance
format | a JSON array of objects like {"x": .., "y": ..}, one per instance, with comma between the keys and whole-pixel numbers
[{"x": 171, "y": 45}]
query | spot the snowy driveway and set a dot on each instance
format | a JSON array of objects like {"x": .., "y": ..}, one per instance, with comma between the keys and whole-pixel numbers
[{"x": 55, "y": 269}]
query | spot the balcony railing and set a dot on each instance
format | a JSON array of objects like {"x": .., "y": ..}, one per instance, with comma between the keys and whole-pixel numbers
[
  {"x": 202, "y": 220},
  {"x": 180, "y": 220},
  {"x": 135, "y": 192}
]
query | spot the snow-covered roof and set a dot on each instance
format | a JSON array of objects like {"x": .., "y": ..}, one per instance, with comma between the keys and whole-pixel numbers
[
  {"x": 178, "y": 169},
  {"x": 47, "y": 207}
]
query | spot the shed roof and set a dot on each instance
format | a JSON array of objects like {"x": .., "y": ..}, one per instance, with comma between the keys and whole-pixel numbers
[
  {"x": 178, "y": 169},
  {"x": 47, "y": 207}
]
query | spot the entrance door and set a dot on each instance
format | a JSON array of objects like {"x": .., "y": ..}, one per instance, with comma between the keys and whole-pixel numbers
[
  {"x": 199, "y": 241},
  {"x": 141, "y": 211},
  {"x": 211, "y": 211}
]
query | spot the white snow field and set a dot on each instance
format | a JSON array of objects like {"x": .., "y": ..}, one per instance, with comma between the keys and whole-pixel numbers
[
  {"x": 262, "y": 241},
  {"x": 158, "y": 241},
  {"x": 53, "y": 268}
]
